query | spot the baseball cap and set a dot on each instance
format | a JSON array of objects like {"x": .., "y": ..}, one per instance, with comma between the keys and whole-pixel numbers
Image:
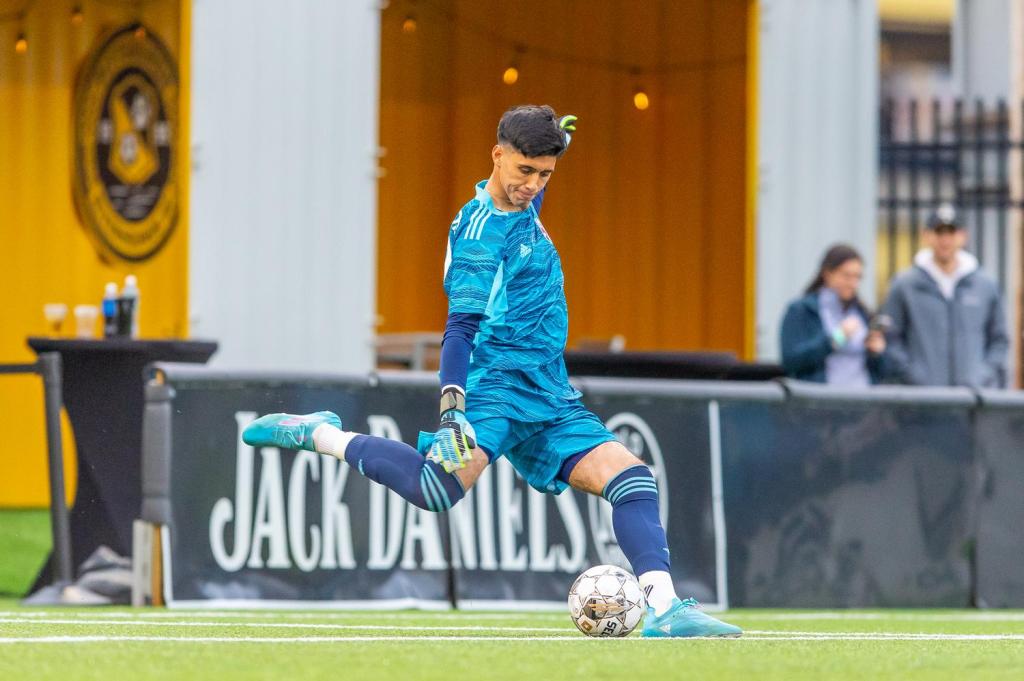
[{"x": 945, "y": 218}]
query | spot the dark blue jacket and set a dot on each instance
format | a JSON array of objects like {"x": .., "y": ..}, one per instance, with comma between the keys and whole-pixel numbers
[{"x": 805, "y": 345}]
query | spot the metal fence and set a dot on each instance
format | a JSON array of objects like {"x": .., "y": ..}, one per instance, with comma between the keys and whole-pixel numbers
[{"x": 949, "y": 151}]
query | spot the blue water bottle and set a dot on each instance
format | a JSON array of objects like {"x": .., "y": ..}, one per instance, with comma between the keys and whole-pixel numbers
[{"x": 110, "y": 310}]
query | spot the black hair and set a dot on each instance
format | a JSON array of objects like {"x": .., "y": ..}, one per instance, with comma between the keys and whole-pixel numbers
[
  {"x": 532, "y": 131},
  {"x": 835, "y": 257}
]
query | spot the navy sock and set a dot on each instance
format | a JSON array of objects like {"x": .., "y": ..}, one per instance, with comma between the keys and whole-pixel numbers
[
  {"x": 401, "y": 468},
  {"x": 633, "y": 494}
]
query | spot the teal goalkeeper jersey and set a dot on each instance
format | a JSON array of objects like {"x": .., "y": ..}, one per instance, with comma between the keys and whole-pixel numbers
[{"x": 503, "y": 265}]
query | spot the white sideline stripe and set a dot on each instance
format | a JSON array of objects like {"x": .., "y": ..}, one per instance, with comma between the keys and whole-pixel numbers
[
  {"x": 876, "y": 635},
  {"x": 532, "y": 639},
  {"x": 923, "y": 617},
  {"x": 266, "y": 614},
  {"x": 457, "y": 614},
  {"x": 274, "y": 625},
  {"x": 803, "y": 635},
  {"x": 269, "y": 605},
  {"x": 274, "y": 639}
]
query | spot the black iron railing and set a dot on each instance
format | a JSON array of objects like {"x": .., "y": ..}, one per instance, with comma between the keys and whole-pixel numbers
[{"x": 948, "y": 152}]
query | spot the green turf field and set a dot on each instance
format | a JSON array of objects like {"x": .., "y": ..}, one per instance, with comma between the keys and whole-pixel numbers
[
  {"x": 63, "y": 644},
  {"x": 24, "y": 545}
]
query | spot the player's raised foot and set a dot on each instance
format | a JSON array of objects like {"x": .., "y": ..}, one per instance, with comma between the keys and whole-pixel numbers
[
  {"x": 289, "y": 431},
  {"x": 685, "y": 619}
]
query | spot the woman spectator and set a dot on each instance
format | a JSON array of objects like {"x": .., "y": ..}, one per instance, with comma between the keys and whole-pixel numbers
[{"x": 825, "y": 334}]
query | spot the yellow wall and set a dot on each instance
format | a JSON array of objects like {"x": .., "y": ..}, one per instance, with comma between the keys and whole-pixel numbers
[
  {"x": 649, "y": 209},
  {"x": 937, "y": 12},
  {"x": 46, "y": 256}
]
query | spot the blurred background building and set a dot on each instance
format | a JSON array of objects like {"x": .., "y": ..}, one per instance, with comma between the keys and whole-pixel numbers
[{"x": 316, "y": 152}]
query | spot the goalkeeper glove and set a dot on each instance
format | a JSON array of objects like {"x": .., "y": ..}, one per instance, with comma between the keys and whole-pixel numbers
[
  {"x": 455, "y": 439},
  {"x": 568, "y": 125}
]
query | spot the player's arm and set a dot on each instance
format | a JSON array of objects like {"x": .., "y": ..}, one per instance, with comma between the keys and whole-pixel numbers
[
  {"x": 568, "y": 125},
  {"x": 455, "y": 439},
  {"x": 474, "y": 256}
]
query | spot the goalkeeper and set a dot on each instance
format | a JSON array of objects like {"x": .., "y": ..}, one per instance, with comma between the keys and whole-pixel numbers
[{"x": 504, "y": 387}]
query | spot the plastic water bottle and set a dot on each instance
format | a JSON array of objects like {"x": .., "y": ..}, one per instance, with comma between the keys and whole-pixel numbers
[
  {"x": 128, "y": 308},
  {"x": 110, "y": 310}
]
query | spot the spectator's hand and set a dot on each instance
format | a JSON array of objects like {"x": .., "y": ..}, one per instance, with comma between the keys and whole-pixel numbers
[
  {"x": 875, "y": 342},
  {"x": 851, "y": 325}
]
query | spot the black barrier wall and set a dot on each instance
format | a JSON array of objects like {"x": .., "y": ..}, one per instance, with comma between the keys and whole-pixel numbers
[
  {"x": 264, "y": 525},
  {"x": 1000, "y": 431},
  {"x": 772, "y": 494},
  {"x": 849, "y": 499}
]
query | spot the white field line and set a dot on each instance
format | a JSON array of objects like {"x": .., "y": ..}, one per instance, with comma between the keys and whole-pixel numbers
[
  {"x": 277, "y": 614},
  {"x": 275, "y": 625},
  {"x": 911, "y": 616},
  {"x": 877, "y": 635},
  {"x": 790, "y": 635},
  {"x": 456, "y": 614},
  {"x": 511, "y": 639}
]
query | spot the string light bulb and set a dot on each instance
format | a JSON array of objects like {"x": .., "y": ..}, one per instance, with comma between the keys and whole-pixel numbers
[
  {"x": 140, "y": 33},
  {"x": 640, "y": 99},
  {"x": 21, "y": 44},
  {"x": 409, "y": 25},
  {"x": 511, "y": 74},
  {"x": 77, "y": 16}
]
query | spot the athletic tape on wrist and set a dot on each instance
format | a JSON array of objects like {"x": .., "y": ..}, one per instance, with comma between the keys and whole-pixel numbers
[{"x": 452, "y": 398}]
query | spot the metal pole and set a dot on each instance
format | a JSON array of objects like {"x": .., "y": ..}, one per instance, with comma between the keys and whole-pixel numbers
[
  {"x": 50, "y": 368},
  {"x": 958, "y": 141},
  {"x": 937, "y": 156},
  {"x": 892, "y": 218},
  {"x": 1002, "y": 197},
  {"x": 979, "y": 179},
  {"x": 915, "y": 206}
]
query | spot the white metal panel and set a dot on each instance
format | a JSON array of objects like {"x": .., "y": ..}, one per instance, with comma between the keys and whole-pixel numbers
[
  {"x": 817, "y": 146},
  {"x": 283, "y": 192},
  {"x": 983, "y": 36},
  {"x": 988, "y": 64}
]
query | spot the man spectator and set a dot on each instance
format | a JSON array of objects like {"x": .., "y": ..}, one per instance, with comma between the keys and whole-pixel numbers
[{"x": 947, "y": 321}]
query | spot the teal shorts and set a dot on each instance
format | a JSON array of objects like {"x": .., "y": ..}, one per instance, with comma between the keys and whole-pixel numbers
[
  {"x": 537, "y": 450},
  {"x": 534, "y": 419}
]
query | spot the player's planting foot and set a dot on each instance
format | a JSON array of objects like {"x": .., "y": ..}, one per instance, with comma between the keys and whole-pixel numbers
[
  {"x": 288, "y": 431},
  {"x": 685, "y": 619}
]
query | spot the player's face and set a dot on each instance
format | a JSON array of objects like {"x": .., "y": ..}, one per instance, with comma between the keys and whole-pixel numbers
[{"x": 521, "y": 177}]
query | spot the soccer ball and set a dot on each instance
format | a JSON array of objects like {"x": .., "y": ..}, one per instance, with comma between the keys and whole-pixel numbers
[{"x": 606, "y": 601}]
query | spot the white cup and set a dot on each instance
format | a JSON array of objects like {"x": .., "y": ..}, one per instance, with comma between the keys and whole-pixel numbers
[
  {"x": 85, "y": 320},
  {"x": 55, "y": 314}
]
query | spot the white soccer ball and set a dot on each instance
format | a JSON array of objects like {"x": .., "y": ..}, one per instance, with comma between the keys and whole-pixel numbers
[{"x": 606, "y": 601}]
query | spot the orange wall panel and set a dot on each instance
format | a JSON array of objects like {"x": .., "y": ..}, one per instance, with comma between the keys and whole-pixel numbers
[{"x": 648, "y": 208}]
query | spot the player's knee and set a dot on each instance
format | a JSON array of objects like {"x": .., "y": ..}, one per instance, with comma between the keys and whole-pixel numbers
[{"x": 632, "y": 483}]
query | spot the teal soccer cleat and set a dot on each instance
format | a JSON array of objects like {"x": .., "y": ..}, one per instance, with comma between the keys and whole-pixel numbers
[
  {"x": 289, "y": 431},
  {"x": 685, "y": 620}
]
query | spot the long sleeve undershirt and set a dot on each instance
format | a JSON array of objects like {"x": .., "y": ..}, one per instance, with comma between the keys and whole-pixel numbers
[{"x": 457, "y": 346}]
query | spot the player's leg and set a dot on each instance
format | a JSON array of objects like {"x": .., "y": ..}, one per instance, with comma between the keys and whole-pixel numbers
[
  {"x": 393, "y": 464},
  {"x": 612, "y": 471}
]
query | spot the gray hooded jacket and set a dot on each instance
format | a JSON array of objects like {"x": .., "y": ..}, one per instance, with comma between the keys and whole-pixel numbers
[{"x": 935, "y": 340}]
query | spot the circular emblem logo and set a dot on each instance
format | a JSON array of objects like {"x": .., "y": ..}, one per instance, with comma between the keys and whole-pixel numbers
[
  {"x": 126, "y": 118},
  {"x": 633, "y": 432}
]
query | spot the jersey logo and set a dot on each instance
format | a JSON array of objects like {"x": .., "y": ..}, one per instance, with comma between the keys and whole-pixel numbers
[{"x": 524, "y": 250}]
